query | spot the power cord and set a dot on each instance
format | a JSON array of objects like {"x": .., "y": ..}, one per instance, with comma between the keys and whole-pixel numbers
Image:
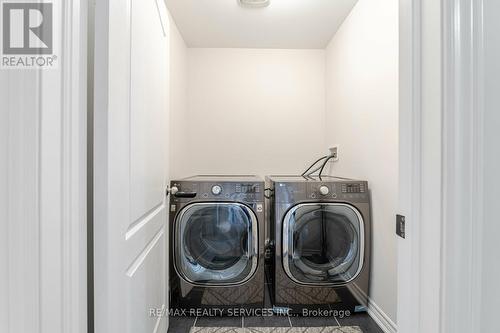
[
  {"x": 324, "y": 164},
  {"x": 312, "y": 165}
]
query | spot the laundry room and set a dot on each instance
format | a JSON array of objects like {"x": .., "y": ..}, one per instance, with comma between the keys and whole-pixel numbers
[
  {"x": 267, "y": 88},
  {"x": 249, "y": 166}
]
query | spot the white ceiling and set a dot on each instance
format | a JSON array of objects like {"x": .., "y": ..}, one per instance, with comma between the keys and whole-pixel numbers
[{"x": 295, "y": 24}]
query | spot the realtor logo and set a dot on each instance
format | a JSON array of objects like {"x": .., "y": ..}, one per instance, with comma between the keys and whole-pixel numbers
[
  {"x": 27, "y": 34},
  {"x": 27, "y": 28}
]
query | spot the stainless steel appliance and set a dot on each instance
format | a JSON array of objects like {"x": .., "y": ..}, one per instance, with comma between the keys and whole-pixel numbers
[
  {"x": 217, "y": 242},
  {"x": 320, "y": 230}
]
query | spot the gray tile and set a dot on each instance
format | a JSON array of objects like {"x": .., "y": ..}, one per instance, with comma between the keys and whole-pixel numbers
[
  {"x": 327, "y": 329},
  {"x": 180, "y": 324},
  {"x": 313, "y": 321},
  {"x": 363, "y": 320},
  {"x": 178, "y": 329},
  {"x": 216, "y": 330},
  {"x": 219, "y": 322},
  {"x": 267, "y": 321}
]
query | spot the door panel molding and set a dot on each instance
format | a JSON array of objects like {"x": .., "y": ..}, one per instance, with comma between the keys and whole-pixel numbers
[
  {"x": 142, "y": 256},
  {"x": 145, "y": 219}
]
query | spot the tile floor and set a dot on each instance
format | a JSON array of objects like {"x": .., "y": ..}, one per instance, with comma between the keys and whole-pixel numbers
[{"x": 183, "y": 324}]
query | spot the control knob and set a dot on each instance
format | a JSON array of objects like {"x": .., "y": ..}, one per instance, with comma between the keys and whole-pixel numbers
[
  {"x": 324, "y": 190},
  {"x": 216, "y": 190}
]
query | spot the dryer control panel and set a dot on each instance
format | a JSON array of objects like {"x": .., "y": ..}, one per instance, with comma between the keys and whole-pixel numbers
[
  {"x": 353, "y": 188},
  {"x": 218, "y": 191},
  {"x": 337, "y": 190}
]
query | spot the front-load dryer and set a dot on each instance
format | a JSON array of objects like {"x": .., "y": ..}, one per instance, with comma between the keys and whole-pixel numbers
[
  {"x": 320, "y": 231},
  {"x": 216, "y": 245}
]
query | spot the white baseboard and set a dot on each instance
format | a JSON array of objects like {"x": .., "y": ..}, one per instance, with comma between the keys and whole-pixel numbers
[
  {"x": 381, "y": 318},
  {"x": 374, "y": 311}
]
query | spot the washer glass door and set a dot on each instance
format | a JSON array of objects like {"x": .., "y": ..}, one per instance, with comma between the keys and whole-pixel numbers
[
  {"x": 216, "y": 243},
  {"x": 323, "y": 243}
]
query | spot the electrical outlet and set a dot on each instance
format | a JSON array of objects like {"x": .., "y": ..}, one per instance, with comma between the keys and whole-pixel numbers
[{"x": 334, "y": 151}]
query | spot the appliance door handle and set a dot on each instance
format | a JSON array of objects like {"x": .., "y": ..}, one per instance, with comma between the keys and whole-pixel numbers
[{"x": 185, "y": 194}]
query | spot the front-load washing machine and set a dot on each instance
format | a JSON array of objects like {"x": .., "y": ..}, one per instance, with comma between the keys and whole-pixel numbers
[
  {"x": 320, "y": 231},
  {"x": 217, "y": 244}
]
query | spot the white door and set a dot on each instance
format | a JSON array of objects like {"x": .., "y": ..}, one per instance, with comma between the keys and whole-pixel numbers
[{"x": 130, "y": 166}]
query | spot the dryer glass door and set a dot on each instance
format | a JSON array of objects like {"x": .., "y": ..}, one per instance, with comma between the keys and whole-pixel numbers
[
  {"x": 323, "y": 243},
  {"x": 216, "y": 243}
]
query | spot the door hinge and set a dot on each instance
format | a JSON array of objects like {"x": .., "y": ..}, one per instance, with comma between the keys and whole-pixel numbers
[{"x": 400, "y": 226}]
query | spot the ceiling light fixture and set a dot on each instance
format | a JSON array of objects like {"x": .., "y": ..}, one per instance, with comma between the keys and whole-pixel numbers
[{"x": 254, "y": 3}]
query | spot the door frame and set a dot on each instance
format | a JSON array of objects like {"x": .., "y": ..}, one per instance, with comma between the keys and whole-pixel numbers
[
  {"x": 420, "y": 170},
  {"x": 441, "y": 163},
  {"x": 44, "y": 252},
  {"x": 463, "y": 165},
  {"x": 410, "y": 155}
]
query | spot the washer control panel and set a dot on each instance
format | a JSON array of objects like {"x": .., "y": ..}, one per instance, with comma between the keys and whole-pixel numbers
[
  {"x": 246, "y": 192},
  {"x": 248, "y": 188},
  {"x": 318, "y": 190},
  {"x": 353, "y": 188}
]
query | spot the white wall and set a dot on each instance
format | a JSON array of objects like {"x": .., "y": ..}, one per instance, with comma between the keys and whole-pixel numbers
[
  {"x": 251, "y": 111},
  {"x": 362, "y": 116},
  {"x": 178, "y": 101}
]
